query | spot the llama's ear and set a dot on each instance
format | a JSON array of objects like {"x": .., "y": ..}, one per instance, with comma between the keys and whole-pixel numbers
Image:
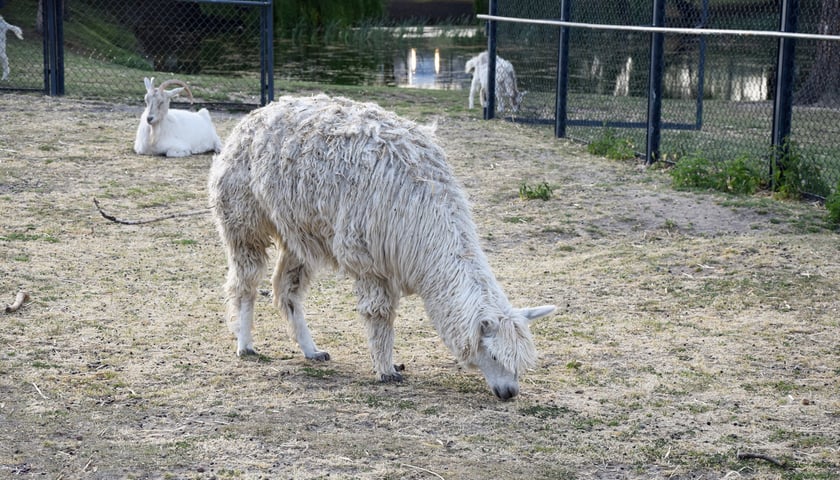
[{"x": 534, "y": 313}]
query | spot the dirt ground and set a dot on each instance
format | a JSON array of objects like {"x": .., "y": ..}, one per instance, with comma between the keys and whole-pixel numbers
[{"x": 696, "y": 335}]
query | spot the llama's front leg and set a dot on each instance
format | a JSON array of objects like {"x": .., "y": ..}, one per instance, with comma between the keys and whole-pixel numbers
[
  {"x": 377, "y": 307},
  {"x": 244, "y": 323},
  {"x": 291, "y": 281}
]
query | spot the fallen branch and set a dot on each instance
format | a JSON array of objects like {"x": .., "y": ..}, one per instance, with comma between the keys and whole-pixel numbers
[
  {"x": 151, "y": 220},
  {"x": 760, "y": 456},
  {"x": 20, "y": 299}
]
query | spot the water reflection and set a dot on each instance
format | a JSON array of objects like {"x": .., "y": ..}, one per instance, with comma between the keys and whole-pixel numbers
[
  {"x": 422, "y": 64},
  {"x": 622, "y": 81},
  {"x": 727, "y": 80},
  {"x": 430, "y": 68}
]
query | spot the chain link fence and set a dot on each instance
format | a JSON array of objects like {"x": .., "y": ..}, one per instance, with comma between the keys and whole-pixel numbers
[
  {"x": 718, "y": 89},
  {"x": 109, "y": 46}
]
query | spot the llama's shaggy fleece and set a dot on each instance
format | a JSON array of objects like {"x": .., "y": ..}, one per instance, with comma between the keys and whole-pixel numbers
[
  {"x": 337, "y": 183},
  {"x": 6, "y": 27},
  {"x": 508, "y": 96}
]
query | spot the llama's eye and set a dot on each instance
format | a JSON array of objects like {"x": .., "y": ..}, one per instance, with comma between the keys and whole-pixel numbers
[{"x": 494, "y": 358}]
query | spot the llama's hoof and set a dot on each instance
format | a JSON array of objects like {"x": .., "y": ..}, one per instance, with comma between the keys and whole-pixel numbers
[
  {"x": 246, "y": 352},
  {"x": 318, "y": 356},
  {"x": 391, "y": 378}
]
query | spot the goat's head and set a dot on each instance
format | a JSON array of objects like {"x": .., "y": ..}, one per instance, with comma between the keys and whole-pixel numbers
[{"x": 157, "y": 99}]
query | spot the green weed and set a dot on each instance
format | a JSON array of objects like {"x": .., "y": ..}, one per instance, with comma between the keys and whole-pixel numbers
[
  {"x": 541, "y": 191},
  {"x": 832, "y": 204},
  {"x": 611, "y": 146},
  {"x": 741, "y": 175},
  {"x": 793, "y": 176}
]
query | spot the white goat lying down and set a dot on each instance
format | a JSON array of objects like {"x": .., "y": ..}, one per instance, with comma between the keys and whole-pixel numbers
[
  {"x": 508, "y": 95},
  {"x": 4, "y": 29},
  {"x": 348, "y": 185},
  {"x": 171, "y": 132}
]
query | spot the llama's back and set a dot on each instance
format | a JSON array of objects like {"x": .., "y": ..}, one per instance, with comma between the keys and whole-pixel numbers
[
  {"x": 476, "y": 61},
  {"x": 348, "y": 184}
]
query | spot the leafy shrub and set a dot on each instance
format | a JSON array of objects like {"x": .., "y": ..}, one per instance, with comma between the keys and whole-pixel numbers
[
  {"x": 540, "y": 191},
  {"x": 832, "y": 204},
  {"x": 694, "y": 172},
  {"x": 741, "y": 175},
  {"x": 611, "y": 146},
  {"x": 793, "y": 176}
]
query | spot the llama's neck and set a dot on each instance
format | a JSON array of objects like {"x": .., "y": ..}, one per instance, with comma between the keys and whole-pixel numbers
[{"x": 460, "y": 299}]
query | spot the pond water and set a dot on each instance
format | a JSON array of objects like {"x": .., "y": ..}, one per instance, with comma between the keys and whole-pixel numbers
[
  {"x": 427, "y": 58},
  {"x": 437, "y": 61}
]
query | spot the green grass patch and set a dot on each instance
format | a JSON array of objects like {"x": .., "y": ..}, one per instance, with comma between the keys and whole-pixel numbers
[
  {"x": 28, "y": 237},
  {"x": 316, "y": 372},
  {"x": 544, "y": 411}
]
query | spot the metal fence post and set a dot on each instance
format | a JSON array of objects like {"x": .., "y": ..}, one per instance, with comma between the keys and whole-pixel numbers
[
  {"x": 657, "y": 59},
  {"x": 561, "y": 95},
  {"x": 783, "y": 101},
  {"x": 490, "y": 109},
  {"x": 266, "y": 53},
  {"x": 53, "y": 24}
]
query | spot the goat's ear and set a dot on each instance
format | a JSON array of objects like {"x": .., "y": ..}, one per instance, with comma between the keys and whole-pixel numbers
[
  {"x": 150, "y": 83},
  {"x": 174, "y": 92},
  {"x": 534, "y": 313}
]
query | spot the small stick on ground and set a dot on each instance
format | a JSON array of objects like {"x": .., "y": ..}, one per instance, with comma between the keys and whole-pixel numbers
[
  {"x": 760, "y": 456},
  {"x": 20, "y": 299},
  {"x": 151, "y": 220},
  {"x": 422, "y": 470},
  {"x": 39, "y": 391}
]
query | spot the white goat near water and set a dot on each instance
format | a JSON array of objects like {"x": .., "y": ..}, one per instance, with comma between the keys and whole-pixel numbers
[
  {"x": 348, "y": 185},
  {"x": 507, "y": 92},
  {"x": 6, "y": 27},
  {"x": 171, "y": 132}
]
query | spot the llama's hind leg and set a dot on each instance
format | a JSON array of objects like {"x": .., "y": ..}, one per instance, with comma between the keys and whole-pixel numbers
[
  {"x": 246, "y": 267},
  {"x": 291, "y": 282},
  {"x": 4, "y": 61},
  {"x": 378, "y": 308}
]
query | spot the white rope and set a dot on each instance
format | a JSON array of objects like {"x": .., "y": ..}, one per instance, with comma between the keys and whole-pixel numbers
[{"x": 687, "y": 31}]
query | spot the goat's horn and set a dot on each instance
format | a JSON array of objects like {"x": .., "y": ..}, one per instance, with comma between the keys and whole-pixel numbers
[{"x": 173, "y": 81}]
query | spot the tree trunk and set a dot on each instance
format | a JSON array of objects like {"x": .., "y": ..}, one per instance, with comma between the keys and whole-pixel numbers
[{"x": 822, "y": 86}]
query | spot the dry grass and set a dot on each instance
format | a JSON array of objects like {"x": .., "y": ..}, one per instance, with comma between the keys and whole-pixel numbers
[{"x": 691, "y": 327}]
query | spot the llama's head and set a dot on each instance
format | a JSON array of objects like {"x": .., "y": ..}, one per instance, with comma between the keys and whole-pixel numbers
[
  {"x": 517, "y": 99},
  {"x": 506, "y": 349},
  {"x": 157, "y": 98}
]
